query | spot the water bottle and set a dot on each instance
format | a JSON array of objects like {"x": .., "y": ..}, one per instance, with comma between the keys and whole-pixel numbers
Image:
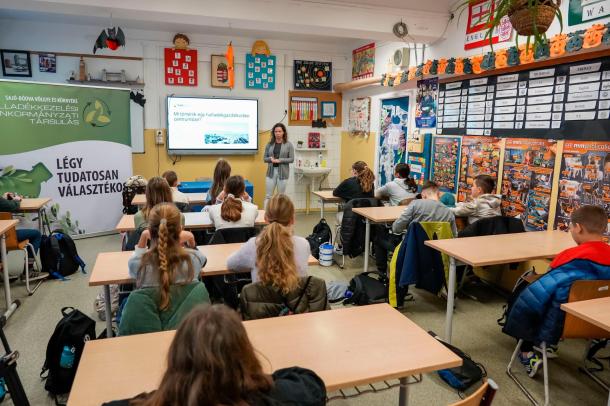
[
  {"x": 348, "y": 294},
  {"x": 67, "y": 357}
]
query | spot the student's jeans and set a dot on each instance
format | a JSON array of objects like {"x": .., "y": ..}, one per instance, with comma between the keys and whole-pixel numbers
[
  {"x": 271, "y": 182},
  {"x": 33, "y": 236},
  {"x": 385, "y": 242}
]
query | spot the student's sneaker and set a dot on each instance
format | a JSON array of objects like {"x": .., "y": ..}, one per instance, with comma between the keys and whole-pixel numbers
[
  {"x": 551, "y": 351},
  {"x": 531, "y": 362}
]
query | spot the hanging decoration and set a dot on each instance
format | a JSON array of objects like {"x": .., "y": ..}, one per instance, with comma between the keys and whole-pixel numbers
[
  {"x": 312, "y": 75},
  {"x": 260, "y": 67},
  {"x": 231, "y": 65},
  {"x": 180, "y": 63},
  {"x": 112, "y": 38}
]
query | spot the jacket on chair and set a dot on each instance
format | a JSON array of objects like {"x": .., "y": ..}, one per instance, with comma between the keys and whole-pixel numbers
[
  {"x": 493, "y": 226},
  {"x": 536, "y": 315},
  {"x": 353, "y": 226}
]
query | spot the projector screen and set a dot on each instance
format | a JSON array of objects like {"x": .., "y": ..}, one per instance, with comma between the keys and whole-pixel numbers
[{"x": 211, "y": 125}]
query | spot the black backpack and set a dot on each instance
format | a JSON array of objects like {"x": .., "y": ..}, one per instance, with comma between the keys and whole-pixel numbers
[
  {"x": 519, "y": 287},
  {"x": 321, "y": 234},
  {"x": 129, "y": 193},
  {"x": 366, "y": 289},
  {"x": 58, "y": 255},
  {"x": 67, "y": 342}
]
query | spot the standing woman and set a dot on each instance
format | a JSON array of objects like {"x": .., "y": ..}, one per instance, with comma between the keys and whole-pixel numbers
[{"x": 279, "y": 153}]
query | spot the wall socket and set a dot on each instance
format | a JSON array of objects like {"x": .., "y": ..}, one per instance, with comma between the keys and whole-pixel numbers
[{"x": 159, "y": 137}]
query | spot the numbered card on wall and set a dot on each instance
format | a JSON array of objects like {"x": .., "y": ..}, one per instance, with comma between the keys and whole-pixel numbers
[
  {"x": 260, "y": 71},
  {"x": 180, "y": 67}
]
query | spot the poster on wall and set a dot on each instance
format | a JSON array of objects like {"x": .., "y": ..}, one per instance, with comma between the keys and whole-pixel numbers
[
  {"x": 584, "y": 179},
  {"x": 312, "y": 75},
  {"x": 425, "y": 106},
  {"x": 363, "y": 62},
  {"x": 419, "y": 160},
  {"x": 582, "y": 11},
  {"x": 359, "y": 116},
  {"x": 180, "y": 67},
  {"x": 480, "y": 156},
  {"x": 260, "y": 71},
  {"x": 479, "y": 15},
  {"x": 57, "y": 142},
  {"x": 392, "y": 136},
  {"x": 527, "y": 180},
  {"x": 445, "y": 161}
]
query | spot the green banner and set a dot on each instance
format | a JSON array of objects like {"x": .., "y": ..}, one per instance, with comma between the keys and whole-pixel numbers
[{"x": 36, "y": 115}]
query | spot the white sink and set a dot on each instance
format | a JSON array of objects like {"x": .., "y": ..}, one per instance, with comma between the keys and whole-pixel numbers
[{"x": 312, "y": 171}]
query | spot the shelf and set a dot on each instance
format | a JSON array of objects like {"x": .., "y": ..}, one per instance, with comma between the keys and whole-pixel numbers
[
  {"x": 311, "y": 149},
  {"x": 99, "y": 83}
]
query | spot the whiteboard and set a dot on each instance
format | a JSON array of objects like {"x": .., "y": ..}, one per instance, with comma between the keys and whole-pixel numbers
[{"x": 137, "y": 127}]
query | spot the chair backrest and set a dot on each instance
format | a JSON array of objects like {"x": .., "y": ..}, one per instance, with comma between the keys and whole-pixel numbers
[
  {"x": 11, "y": 236},
  {"x": 481, "y": 397},
  {"x": 232, "y": 235},
  {"x": 575, "y": 327},
  {"x": 492, "y": 226}
]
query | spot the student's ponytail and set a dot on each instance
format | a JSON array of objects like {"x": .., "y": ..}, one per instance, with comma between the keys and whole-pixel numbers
[
  {"x": 403, "y": 170},
  {"x": 231, "y": 208},
  {"x": 366, "y": 178},
  {"x": 275, "y": 258},
  {"x": 164, "y": 272}
]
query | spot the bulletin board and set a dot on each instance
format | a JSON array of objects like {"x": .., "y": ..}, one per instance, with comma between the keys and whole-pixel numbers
[{"x": 320, "y": 97}]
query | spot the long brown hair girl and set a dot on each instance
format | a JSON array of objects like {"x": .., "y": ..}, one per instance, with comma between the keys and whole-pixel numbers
[
  {"x": 365, "y": 176},
  {"x": 210, "y": 362},
  {"x": 222, "y": 171},
  {"x": 166, "y": 252},
  {"x": 231, "y": 207},
  {"x": 157, "y": 191},
  {"x": 274, "y": 246}
]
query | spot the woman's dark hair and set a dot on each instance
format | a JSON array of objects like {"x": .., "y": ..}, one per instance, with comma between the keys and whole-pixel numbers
[
  {"x": 222, "y": 171},
  {"x": 231, "y": 207},
  {"x": 283, "y": 127},
  {"x": 403, "y": 170}
]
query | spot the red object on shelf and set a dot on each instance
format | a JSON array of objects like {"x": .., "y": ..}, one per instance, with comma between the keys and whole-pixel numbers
[
  {"x": 313, "y": 140},
  {"x": 180, "y": 67}
]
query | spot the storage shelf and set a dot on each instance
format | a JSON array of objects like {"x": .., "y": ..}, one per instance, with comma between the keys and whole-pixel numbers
[
  {"x": 99, "y": 83},
  {"x": 311, "y": 149}
]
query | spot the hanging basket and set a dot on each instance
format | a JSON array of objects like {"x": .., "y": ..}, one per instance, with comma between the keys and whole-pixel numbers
[{"x": 531, "y": 20}]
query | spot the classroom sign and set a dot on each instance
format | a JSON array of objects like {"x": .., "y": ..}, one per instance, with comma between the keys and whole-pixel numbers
[{"x": 69, "y": 143}]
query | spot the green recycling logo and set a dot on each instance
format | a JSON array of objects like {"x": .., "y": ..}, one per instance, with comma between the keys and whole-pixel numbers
[{"x": 97, "y": 113}]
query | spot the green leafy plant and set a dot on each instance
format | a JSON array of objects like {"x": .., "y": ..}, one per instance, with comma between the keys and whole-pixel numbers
[
  {"x": 63, "y": 221},
  {"x": 530, "y": 18}
]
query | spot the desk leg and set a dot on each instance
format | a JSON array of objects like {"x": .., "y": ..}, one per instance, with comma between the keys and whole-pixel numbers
[
  {"x": 10, "y": 305},
  {"x": 450, "y": 300},
  {"x": 107, "y": 306},
  {"x": 367, "y": 243},
  {"x": 322, "y": 209},
  {"x": 403, "y": 392}
]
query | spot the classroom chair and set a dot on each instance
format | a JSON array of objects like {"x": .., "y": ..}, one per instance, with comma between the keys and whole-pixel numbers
[
  {"x": 481, "y": 397},
  {"x": 350, "y": 233},
  {"x": 573, "y": 327},
  {"x": 12, "y": 244}
]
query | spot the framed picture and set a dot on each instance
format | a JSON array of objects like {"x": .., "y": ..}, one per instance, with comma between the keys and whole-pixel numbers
[
  {"x": 329, "y": 109},
  {"x": 47, "y": 63},
  {"x": 220, "y": 71},
  {"x": 312, "y": 75},
  {"x": 16, "y": 63}
]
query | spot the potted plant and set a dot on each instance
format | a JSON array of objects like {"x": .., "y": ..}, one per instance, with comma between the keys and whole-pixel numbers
[{"x": 530, "y": 18}]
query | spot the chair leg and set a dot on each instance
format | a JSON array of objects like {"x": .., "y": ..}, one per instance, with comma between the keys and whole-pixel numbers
[
  {"x": 545, "y": 372},
  {"x": 590, "y": 374},
  {"x": 509, "y": 372},
  {"x": 27, "y": 272}
]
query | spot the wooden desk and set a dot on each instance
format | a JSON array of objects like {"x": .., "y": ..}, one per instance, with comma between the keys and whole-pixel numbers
[
  {"x": 193, "y": 198},
  {"x": 6, "y": 226},
  {"x": 494, "y": 250},
  {"x": 326, "y": 196},
  {"x": 110, "y": 268},
  {"x": 331, "y": 343},
  {"x": 34, "y": 205},
  {"x": 383, "y": 214},
  {"x": 192, "y": 221},
  {"x": 595, "y": 311}
]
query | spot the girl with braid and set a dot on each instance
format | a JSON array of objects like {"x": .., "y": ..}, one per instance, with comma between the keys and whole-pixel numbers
[{"x": 167, "y": 262}]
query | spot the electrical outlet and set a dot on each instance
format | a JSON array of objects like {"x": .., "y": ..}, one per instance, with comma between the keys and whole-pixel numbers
[{"x": 159, "y": 137}]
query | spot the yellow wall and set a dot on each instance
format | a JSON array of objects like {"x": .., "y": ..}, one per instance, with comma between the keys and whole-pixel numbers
[
  {"x": 190, "y": 167},
  {"x": 356, "y": 148}
]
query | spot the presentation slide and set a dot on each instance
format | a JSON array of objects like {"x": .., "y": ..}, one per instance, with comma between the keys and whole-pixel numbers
[{"x": 198, "y": 125}]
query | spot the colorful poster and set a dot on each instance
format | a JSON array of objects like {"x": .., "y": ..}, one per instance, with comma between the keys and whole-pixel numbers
[
  {"x": 480, "y": 156},
  {"x": 359, "y": 116},
  {"x": 260, "y": 71},
  {"x": 582, "y": 11},
  {"x": 445, "y": 160},
  {"x": 584, "y": 179},
  {"x": 180, "y": 67},
  {"x": 392, "y": 136},
  {"x": 419, "y": 160},
  {"x": 527, "y": 180},
  {"x": 363, "y": 61},
  {"x": 312, "y": 75},
  {"x": 479, "y": 14},
  {"x": 425, "y": 107},
  {"x": 57, "y": 143}
]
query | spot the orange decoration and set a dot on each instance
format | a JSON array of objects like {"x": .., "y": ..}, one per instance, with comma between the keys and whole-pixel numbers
[
  {"x": 501, "y": 59},
  {"x": 412, "y": 71},
  {"x": 442, "y": 65},
  {"x": 459, "y": 66},
  {"x": 476, "y": 63},
  {"x": 526, "y": 56},
  {"x": 593, "y": 36},
  {"x": 427, "y": 66},
  {"x": 558, "y": 45},
  {"x": 231, "y": 64},
  {"x": 397, "y": 78}
]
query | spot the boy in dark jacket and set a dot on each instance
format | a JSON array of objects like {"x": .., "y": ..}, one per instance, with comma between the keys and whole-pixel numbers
[{"x": 535, "y": 316}]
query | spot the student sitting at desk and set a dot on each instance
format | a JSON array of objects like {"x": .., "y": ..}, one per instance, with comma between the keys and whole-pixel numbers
[
  {"x": 276, "y": 255},
  {"x": 484, "y": 203},
  {"x": 157, "y": 191},
  {"x": 428, "y": 208},
  {"x": 359, "y": 185},
  {"x": 211, "y": 361},
  {"x": 222, "y": 171},
  {"x": 402, "y": 188},
  {"x": 535, "y": 315},
  {"x": 172, "y": 179},
  {"x": 233, "y": 211}
]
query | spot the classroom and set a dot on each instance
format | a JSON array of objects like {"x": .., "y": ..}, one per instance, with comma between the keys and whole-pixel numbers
[{"x": 305, "y": 202}]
